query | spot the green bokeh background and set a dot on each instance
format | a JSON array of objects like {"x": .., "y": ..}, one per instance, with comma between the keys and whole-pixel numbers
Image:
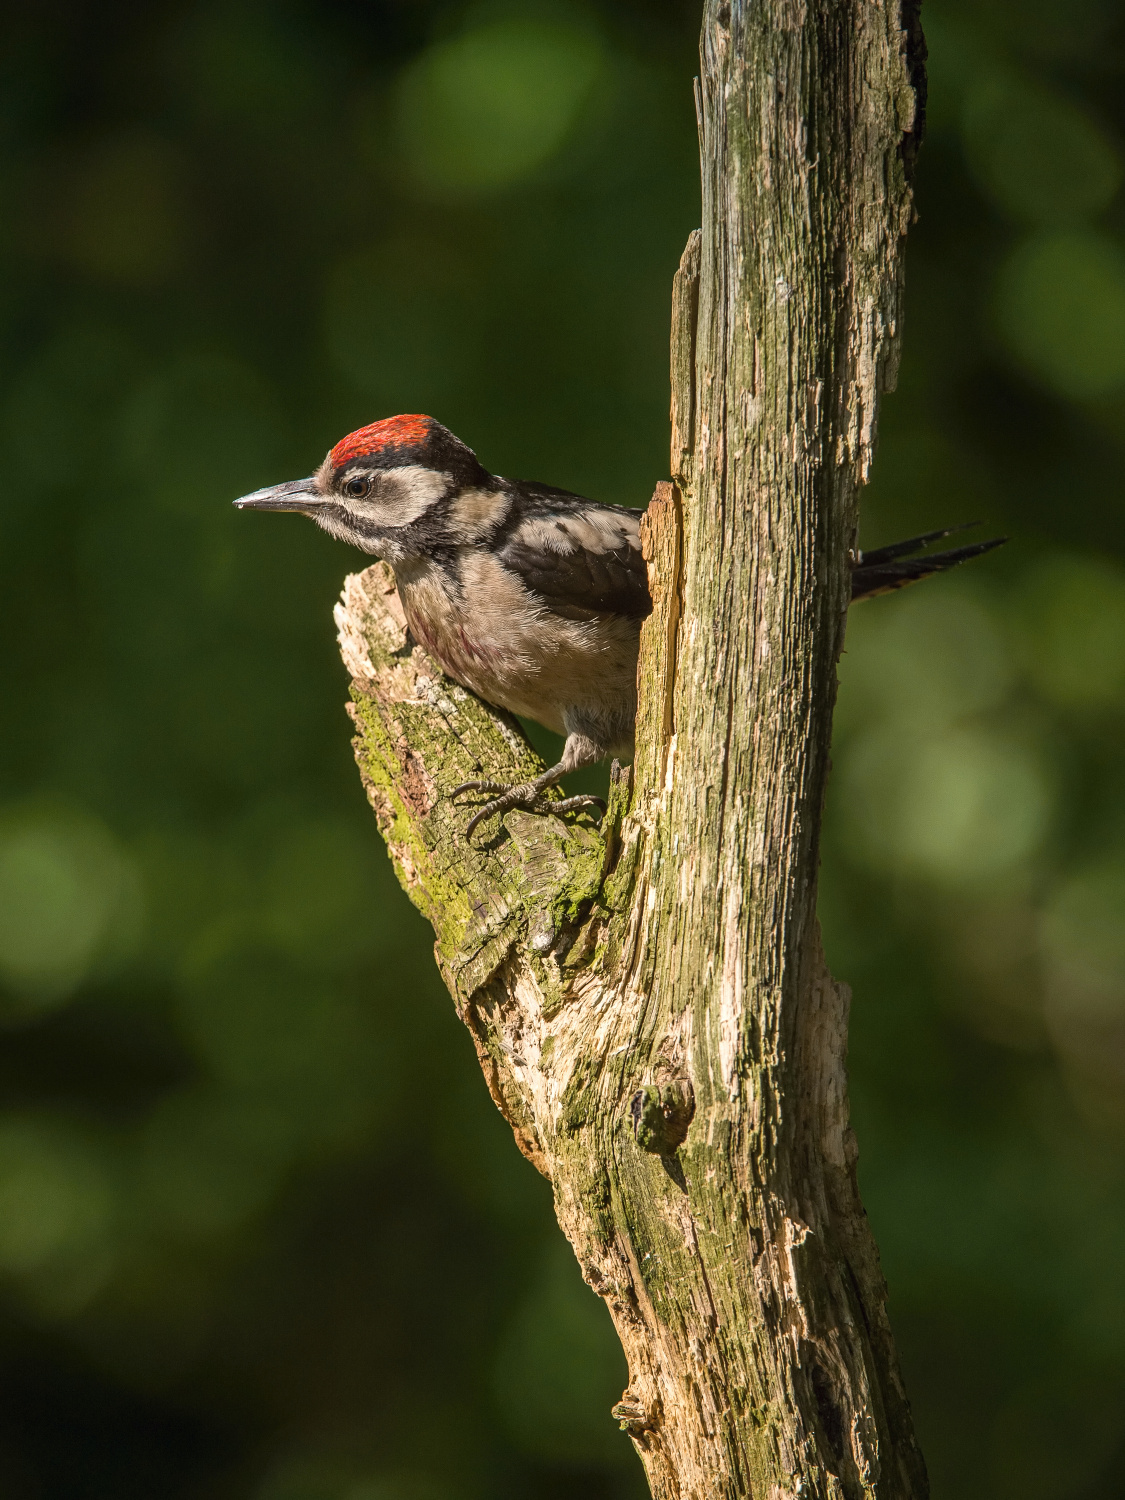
[{"x": 262, "y": 1234}]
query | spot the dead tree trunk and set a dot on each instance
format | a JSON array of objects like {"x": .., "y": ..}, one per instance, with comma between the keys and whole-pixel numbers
[{"x": 649, "y": 1002}]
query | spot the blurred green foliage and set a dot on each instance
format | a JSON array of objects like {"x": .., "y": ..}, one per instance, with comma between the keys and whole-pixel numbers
[{"x": 262, "y": 1233}]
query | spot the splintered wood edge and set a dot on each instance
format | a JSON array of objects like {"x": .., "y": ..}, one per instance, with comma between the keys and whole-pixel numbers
[
  {"x": 662, "y": 546},
  {"x": 369, "y": 599}
]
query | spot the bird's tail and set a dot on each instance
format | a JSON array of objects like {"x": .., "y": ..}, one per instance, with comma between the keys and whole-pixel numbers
[{"x": 892, "y": 567}]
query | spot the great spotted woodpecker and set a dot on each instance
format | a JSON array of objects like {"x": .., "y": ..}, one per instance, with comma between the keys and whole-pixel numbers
[{"x": 530, "y": 596}]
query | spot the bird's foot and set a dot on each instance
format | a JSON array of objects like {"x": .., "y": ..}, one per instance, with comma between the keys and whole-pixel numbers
[{"x": 526, "y": 796}]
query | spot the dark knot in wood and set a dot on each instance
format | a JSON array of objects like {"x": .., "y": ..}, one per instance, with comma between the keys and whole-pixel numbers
[
  {"x": 661, "y": 1114},
  {"x": 634, "y": 1417}
]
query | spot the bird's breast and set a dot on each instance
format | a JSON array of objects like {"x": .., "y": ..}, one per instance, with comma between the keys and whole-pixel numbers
[
  {"x": 489, "y": 633},
  {"x": 476, "y": 638}
]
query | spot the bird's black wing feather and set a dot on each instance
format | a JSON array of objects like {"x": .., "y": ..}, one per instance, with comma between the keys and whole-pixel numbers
[
  {"x": 577, "y": 557},
  {"x": 881, "y": 577},
  {"x": 880, "y": 555}
]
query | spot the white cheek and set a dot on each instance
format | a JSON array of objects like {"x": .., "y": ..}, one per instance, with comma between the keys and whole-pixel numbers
[
  {"x": 339, "y": 529},
  {"x": 403, "y": 495}
]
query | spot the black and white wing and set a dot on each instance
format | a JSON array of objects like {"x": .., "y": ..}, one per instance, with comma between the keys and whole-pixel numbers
[{"x": 580, "y": 558}]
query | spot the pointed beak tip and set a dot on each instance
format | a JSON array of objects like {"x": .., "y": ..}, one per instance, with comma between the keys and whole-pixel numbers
[{"x": 295, "y": 494}]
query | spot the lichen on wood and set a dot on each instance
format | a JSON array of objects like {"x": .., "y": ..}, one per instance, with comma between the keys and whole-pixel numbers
[{"x": 648, "y": 998}]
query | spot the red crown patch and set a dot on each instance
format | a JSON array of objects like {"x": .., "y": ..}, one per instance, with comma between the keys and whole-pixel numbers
[{"x": 392, "y": 432}]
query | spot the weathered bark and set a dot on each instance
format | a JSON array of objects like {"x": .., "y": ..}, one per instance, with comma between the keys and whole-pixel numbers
[{"x": 649, "y": 1002}]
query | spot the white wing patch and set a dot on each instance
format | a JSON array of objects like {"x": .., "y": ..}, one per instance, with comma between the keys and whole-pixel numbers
[{"x": 590, "y": 530}]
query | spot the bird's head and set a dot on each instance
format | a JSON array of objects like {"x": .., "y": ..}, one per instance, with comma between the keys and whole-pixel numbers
[{"x": 383, "y": 488}]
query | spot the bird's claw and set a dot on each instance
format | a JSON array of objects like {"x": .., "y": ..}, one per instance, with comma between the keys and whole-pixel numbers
[
  {"x": 481, "y": 786},
  {"x": 524, "y": 797}
]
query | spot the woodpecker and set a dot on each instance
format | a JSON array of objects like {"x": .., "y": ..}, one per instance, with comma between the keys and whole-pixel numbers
[{"x": 530, "y": 596}]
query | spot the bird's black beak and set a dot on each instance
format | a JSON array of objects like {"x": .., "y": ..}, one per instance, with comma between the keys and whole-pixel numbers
[{"x": 294, "y": 494}]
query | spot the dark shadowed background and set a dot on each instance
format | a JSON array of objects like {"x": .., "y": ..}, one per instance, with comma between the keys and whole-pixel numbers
[{"x": 262, "y": 1234}]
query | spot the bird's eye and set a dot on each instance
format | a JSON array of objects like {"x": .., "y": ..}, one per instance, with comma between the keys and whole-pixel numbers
[{"x": 355, "y": 488}]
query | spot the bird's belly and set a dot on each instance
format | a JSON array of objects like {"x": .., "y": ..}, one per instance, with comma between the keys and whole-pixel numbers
[{"x": 521, "y": 657}]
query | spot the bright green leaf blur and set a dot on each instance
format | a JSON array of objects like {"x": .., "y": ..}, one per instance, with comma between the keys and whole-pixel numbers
[
  {"x": 1072, "y": 629},
  {"x": 1061, "y": 308},
  {"x": 483, "y": 109},
  {"x": 66, "y": 891},
  {"x": 1040, "y": 156}
]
